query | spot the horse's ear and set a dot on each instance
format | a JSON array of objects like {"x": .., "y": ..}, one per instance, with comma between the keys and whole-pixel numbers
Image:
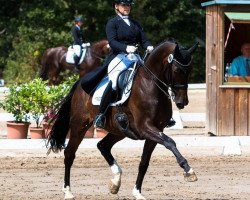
[
  {"x": 193, "y": 48},
  {"x": 177, "y": 50}
]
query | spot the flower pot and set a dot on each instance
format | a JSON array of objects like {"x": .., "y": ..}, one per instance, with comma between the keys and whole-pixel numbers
[
  {"x": 47, "y": 128},
  {"x": 17, "y": 130},
  {"x": 100, "y": 133},
  {"x": 37, "y": 133}
]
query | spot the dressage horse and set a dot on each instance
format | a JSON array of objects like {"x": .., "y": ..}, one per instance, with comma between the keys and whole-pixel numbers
[
  {"x": 149, "y": 109},
  {"x": 54, "y": 61}
]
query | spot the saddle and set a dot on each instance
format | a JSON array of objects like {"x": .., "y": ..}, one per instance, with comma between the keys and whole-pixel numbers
[
  {"x": 124, "y": 83},
  {"x": 74, "y": 51}
]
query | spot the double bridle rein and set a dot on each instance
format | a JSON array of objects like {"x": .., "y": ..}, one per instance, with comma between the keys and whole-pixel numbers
[{"x": 164, "y": 88}]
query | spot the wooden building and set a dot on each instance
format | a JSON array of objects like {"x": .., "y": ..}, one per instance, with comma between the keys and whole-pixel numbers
[{"x": 228, "y": 98}]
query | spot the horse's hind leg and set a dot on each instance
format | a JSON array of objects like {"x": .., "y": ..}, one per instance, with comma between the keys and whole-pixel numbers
[
  {"x": 105, "y": 146},
  {"x": 76, "y": 137},
  {"x": 149, "y": 147}
]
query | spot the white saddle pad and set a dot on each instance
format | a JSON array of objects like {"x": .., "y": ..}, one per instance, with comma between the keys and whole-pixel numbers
[
  {"x": 75, "y": 49},
  {"x": 96, "y": 100}
]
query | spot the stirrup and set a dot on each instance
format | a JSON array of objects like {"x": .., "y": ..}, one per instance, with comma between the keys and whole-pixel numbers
[{"x": 100, "y": 121}]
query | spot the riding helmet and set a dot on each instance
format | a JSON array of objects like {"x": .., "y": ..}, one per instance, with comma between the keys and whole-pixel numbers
[
  {"x": 78, "y": 19},
  {"x": 129, "y": 2}
]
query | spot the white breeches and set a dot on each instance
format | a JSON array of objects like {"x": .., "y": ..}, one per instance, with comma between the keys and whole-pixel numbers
[
  {"x": 119, "y": 64},
  {"x": 77, "y": 49}
]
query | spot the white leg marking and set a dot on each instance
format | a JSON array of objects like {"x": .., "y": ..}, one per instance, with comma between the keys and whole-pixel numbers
[
  {"x": 67, "y": 192},
  {"x": 136, "y": 193},
  {"x": 191, "y": 171},
  {"x": 116, "y": 181},
  {"x": 115, "y": 168},
  {"x": 117, "y": 171}
]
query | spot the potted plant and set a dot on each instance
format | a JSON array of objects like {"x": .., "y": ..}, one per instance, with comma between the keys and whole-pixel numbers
[
  {"x": 17, "y": 103},
  {"x": 39, "y": 99},
  {"x": 55, "y": 94}
]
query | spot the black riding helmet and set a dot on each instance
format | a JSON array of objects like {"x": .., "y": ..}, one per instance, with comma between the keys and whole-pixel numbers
[
  {"x": 78, "y": 19},
  {"x": 127, "y": 2}
]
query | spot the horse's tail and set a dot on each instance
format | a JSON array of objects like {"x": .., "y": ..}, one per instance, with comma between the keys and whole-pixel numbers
[
  {"x": 45, "y": 67},
  {"x": 59, "y": 131}
]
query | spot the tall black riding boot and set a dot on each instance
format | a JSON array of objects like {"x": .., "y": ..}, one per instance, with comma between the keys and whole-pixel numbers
[
  {"x": 100, "y": 119},
  {"x": 77, "y": 66}
]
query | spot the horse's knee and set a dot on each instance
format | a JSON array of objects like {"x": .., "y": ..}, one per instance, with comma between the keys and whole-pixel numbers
[{"x": 169, "y": 143}]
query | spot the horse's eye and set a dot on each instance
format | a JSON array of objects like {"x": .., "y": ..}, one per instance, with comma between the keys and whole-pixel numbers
[{"x": 176, "y": 70}]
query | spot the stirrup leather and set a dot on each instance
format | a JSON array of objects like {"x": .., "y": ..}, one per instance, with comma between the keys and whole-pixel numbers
[{"x": 100, "y": 121}]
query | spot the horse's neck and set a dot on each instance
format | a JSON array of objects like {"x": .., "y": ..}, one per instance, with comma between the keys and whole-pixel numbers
[{"x": 97, "y": 48}]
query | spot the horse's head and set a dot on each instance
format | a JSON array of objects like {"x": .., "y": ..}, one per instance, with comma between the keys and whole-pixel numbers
[
  {"x": 171, "y": 65},
  {"x": 180, "y": 65}
]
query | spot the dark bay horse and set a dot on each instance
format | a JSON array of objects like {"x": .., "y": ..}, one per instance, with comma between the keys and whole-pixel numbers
[
  {"x": 54, "y": 61},
  {"x": 149, "y": 109}
]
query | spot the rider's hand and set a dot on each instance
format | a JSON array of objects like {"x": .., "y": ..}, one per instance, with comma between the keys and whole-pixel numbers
[
  {"x": 131, "y": 49},
  {"x": 150, "y": 49},
  {"x": 85, "y": 45}
]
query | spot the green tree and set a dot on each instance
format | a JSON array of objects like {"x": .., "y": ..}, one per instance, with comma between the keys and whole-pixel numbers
[{"x": 33, "y": 26}]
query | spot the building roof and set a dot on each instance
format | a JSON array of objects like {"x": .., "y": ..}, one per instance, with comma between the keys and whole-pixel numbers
[{"x": 209, "y": 3}]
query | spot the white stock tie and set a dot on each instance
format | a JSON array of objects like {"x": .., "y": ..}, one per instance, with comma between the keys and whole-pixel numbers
[{"x": 126, "y": 19}]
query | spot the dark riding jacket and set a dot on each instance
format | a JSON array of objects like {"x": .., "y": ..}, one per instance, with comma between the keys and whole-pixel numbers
[
  {"x": 120, "y": 34},
  {"x": 77, "y": 35}
]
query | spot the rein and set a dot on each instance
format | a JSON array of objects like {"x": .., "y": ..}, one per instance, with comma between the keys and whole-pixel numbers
[
  {"x": 155, "y": 79},
  {"x": 171, "y": 60}
]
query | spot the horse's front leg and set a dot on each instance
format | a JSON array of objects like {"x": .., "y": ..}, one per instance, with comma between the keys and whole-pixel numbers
[
  {"x": 169, "y": 143},
  {"x": 105, "y": 146},
  {"x": 153, "y": 134},
  {"x": 149, "y": 147}
]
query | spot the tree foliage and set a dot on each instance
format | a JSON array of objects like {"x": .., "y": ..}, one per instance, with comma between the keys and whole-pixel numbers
[{"x": 30, "y": 27}]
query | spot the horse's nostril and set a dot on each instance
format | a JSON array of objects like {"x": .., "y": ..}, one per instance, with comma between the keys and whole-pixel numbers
[{"x": 180, "y": 105}]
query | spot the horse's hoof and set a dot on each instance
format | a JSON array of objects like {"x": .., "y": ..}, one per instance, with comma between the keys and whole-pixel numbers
[
  {"x": 114, "y": 188},
  {"x": 190, "y": 176}
]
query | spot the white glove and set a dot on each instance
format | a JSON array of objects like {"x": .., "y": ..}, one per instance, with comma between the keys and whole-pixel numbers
[
  {"x": 85, "y": 44},
  {"x": 150, "y": 49},
  {"x": 131, "y": 49}
]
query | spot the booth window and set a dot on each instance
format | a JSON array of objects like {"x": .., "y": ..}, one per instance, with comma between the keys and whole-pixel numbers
[{"x": 237, "y": 32}]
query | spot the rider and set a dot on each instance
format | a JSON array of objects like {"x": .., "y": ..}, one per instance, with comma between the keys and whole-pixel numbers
[
  {"x": 123, "y": 34},
  {"x": 78, "y": 39}
]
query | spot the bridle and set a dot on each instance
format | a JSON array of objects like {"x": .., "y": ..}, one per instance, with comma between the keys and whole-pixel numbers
[
  {"x": 183, "y": 67},
  {"x": 172, "y": 61}
]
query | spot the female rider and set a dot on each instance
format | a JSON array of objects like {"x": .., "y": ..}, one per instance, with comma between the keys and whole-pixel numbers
[{"x": 123, "y": 34}]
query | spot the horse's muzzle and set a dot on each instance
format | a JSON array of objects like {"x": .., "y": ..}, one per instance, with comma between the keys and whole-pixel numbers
[{"x": 180, "y": 105}]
